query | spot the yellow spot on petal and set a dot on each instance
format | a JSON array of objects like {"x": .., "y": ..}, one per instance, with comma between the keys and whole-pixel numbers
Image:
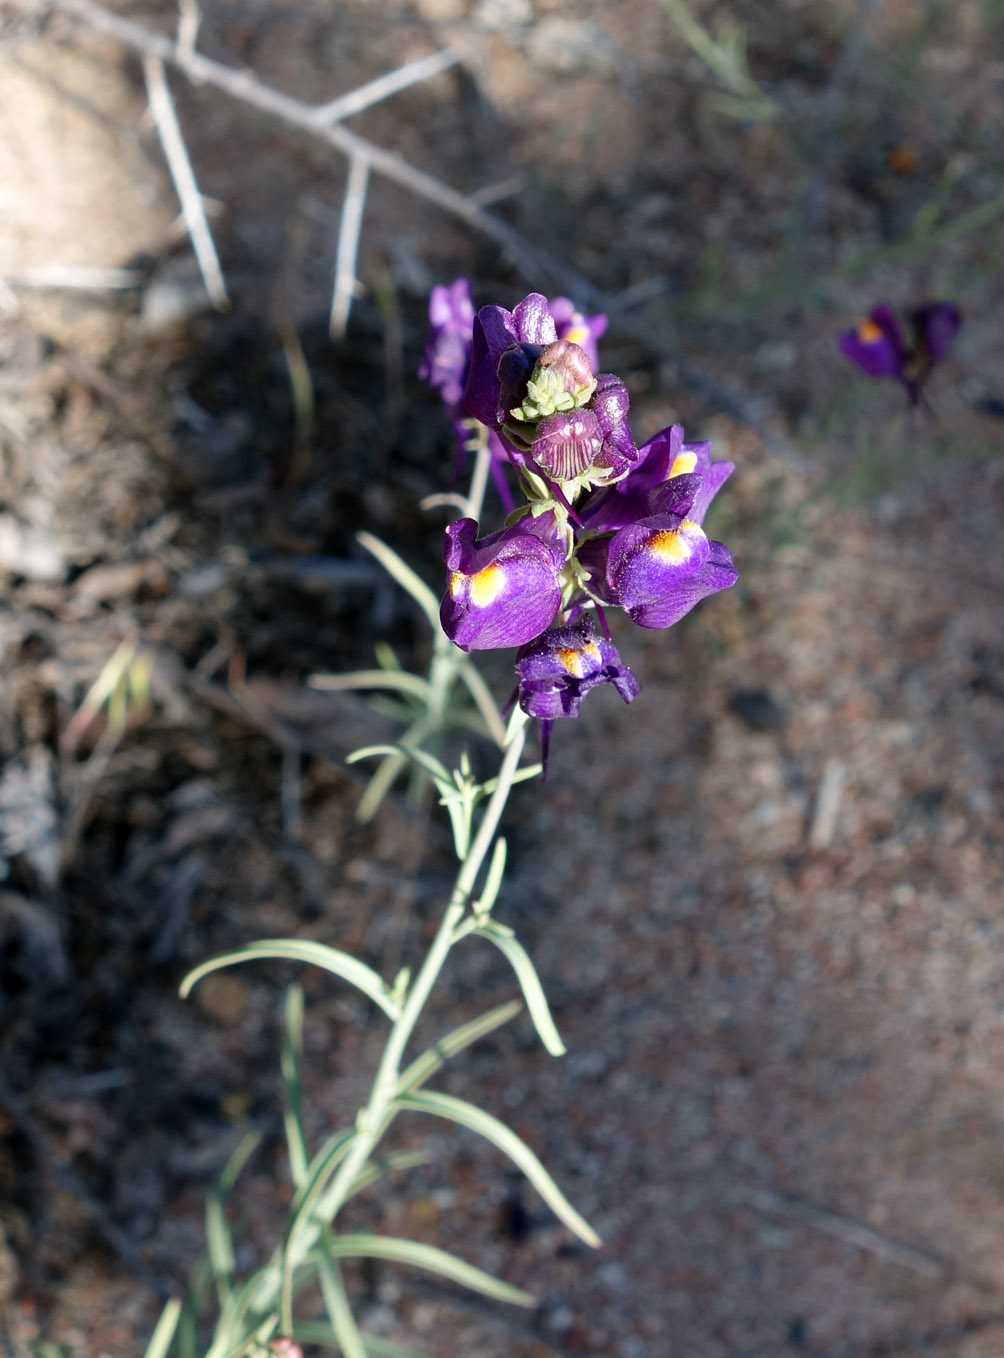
[
  {"x": 575, "y": 660},
  {"x": 487, "y": 585},
  {"x": 869, "y": 332},
  {"x": 682, "y": 464},
  {"x": 578, "y": 331},
  {"x": 674, "y": 546}
]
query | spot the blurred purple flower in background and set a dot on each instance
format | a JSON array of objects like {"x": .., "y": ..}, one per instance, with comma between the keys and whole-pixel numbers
[
  {"x": 878, "y": 347},
  {"x": 582, "y": 330}
]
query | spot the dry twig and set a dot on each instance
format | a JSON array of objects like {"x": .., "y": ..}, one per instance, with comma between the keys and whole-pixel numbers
[{"x": 162, "y": 108}]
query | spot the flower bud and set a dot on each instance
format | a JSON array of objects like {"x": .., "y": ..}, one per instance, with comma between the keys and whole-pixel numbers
[{"x": 562, "y": 380}]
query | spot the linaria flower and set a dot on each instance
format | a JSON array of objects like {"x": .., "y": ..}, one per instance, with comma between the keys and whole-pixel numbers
[
  {"x": 658, "y": 568},
  {"x": 557, "y": 669},
  {"x": 503, "y": 590},
  {"x": 555, "y": 417},
  {"x": 878, "y": 347},
  {"x": 664, "y": 457},
  {"x": 448, "y": 351}
]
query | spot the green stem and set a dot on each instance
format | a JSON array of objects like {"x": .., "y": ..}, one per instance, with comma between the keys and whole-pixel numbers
[{"x": 374, "y": 1119}]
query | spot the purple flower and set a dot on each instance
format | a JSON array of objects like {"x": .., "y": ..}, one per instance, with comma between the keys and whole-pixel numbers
[
  {"x": 582, "y": 330},
  {"x": 876, "y": 345},
  {"x": 519, "y": 336},
  {"x": 658, "y": 568},
  {"x": 539, "y": 391},
  {"x": 448, "y": 351},
  {"x": 935, "y": 326},
  {"x": 557, "y": 669},
  {"x": 663, "y": 458},
  {"x": 503, "y": 590},
  {"x": 879, "y": 349}
]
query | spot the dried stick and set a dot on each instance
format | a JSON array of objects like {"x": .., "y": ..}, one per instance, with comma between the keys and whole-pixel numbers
[
  {"x": 189, "y": 19},
  {"x": 375, "y": 90},
  {"x": 843, "y": 1228},
  {"x": 162, "y": 108},
  {"x": 348, "y": 245}
]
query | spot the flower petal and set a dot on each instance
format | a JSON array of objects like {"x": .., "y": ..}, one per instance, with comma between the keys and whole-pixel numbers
[{"x": 503, "y": 590}]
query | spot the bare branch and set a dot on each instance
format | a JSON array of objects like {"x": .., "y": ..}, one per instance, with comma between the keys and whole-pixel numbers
[
  {"x": 162, "y": 108},
  {"x": 348, "y": 246},
  {"x": 74, "y": 276},
  {"x": 189, "y": 19},
  {"x": 408, "y": 74}
]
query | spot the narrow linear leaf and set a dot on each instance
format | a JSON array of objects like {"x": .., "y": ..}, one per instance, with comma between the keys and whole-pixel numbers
[
  {"x": 339, "y": 963},
  {"x": 336, "y": 1303},
  {"x": 493, "y": 881},
  {"x": 432, "y": 766},
  {"x": 378, "y": 787},
  {"x": 376, "y": 1169},
  {"x": 430, "y": 1061},
  {"x": 316, "y": 1332},
  {"x": 219, "y": 1245},
  {"x": 160, "y": 1340},
  {"x": 483, "y": 700},
  {"x": 398, "y": 680},
  {"x": 292, "y": 1048},
  {"x": 467, "y": 1115},
  {"x": 522, "y": 775},
  {"x": 430, "y": 1257},
  {"x": 218, "y": 1242},
  {"x": 404, "y": 575},
  {"x": 318, "y": 1172},
  {"x": 246, "y": 1147},
  {"x": 529, "y": 981}
]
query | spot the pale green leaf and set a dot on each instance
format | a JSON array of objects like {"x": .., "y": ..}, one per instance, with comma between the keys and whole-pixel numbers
[
  {"x": 483, "y": 700},
  {"x": 316, "y": 1332},
  {"x": 430, "y": 1061},
  {"x": 398, "y": 680},
  {"x": 339, "y": 963},
  {"x": 336, "y": 1303},
  {"x": 468, "y": 1115},
  {"x": 493, "y": 881},
  {"x": 434, "y": 767},
  {"x": 419, "y": 1255},
  {"x": 404, "y": 575},
  {"x": 376, "y": 1169},
  {"x": 526, "y": 974},
  {"x": 219, "y": 1244},
  {"x": 292, "y": 1048},
  {"x": 160, "y": 1340}
]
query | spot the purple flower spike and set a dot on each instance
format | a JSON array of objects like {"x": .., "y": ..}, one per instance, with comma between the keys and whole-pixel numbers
[
  {"x": 935, "y": 326},
  {"x": 582, "y": 330},
  {"x": 876, "y": 345},
  {"x": 503, "y": 589},
  {"x": 448, "y": 351},
  {"x": 658, "y": 569},
  {"x": 557, "y": 670}
]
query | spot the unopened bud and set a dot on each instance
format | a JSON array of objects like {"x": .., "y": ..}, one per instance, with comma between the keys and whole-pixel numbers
[{"x": 562, "y": 380}]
